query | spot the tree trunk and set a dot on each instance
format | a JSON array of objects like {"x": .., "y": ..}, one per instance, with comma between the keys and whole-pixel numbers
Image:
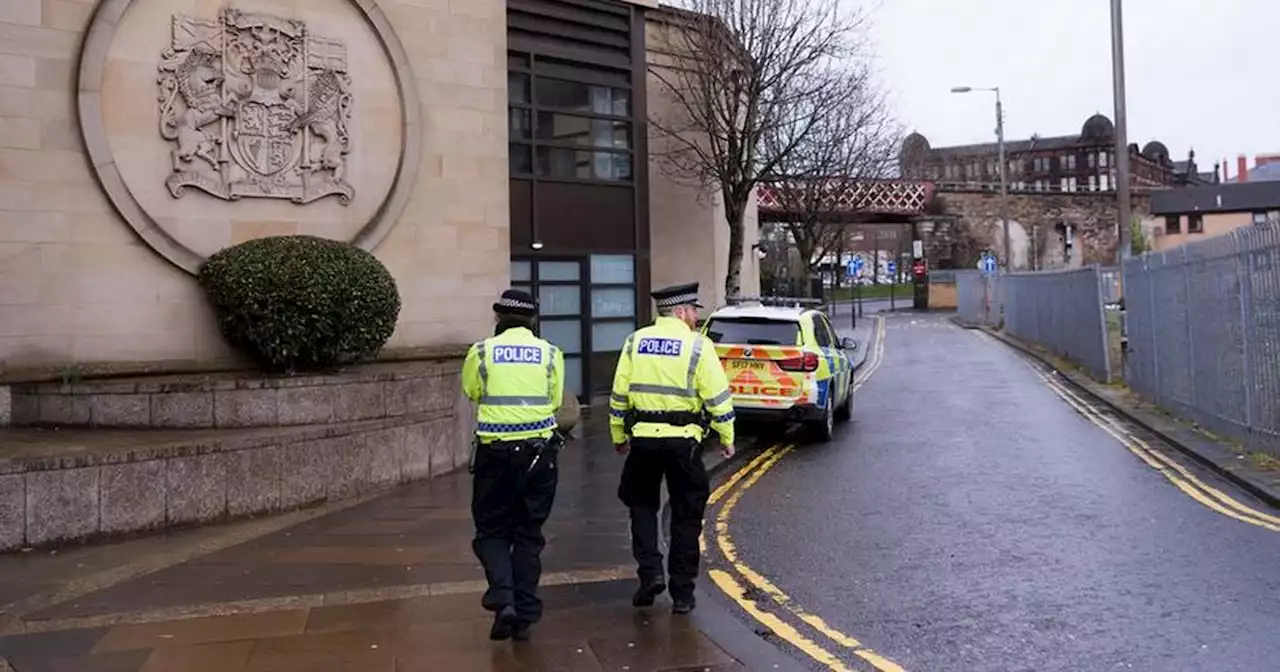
[{"x": 733, "y": 214}]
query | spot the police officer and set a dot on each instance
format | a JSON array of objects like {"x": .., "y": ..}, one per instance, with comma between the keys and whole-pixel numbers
[
  {"x": 668, "y": 389},
  {"x": 516, "y": 381}
]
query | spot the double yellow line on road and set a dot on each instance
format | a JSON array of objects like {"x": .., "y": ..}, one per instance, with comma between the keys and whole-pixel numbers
[
  {"x": 729, "y": 583},
  {"x": 1180, "y": 476}
]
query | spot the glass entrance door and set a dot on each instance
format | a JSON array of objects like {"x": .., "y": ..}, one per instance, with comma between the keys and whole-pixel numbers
[{"x": 558, "y": 285}]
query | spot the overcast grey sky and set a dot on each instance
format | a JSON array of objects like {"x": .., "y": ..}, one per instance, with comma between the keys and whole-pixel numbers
[{"x": 1200, "y": 73}]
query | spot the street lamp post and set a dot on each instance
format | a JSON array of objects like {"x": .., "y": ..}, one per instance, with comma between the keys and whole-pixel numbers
[
  {"x": 1122, "y": 134},
  {"x": 1004, "y": 182}
]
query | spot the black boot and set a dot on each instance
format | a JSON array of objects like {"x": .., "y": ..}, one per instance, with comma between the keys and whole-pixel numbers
[
  {"x": 647, "y": 593},
  {"x": 522, "y": 632},
  {"x": 683, "y": 605},
  {"x": 504, "y": 622}
]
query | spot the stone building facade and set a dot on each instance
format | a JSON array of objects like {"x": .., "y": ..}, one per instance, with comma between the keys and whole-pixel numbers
[
  {"x": 97, "y": 238},
  {"x": 137, "y": 137},
  {"x": 1064, "y": 163},
  {"x": 1046, "y": 231}
]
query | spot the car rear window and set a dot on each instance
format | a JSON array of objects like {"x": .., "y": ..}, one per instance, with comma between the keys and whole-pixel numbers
[{"x": 753, "y": 331}]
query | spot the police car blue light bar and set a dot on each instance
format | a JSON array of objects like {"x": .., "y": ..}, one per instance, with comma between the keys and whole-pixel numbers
[{"x": 783, "y": 301}]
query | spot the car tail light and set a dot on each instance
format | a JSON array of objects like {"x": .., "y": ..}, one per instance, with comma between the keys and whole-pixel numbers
[{"x": 807, "y": 362}]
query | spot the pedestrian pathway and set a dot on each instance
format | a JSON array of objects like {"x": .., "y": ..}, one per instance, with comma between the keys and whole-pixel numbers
[{"x": 386, "y": 584}]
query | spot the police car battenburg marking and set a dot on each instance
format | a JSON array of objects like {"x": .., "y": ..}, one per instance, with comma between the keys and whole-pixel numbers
[
  {"x": 517, "y": 354},
  {"x": 668, "y": 347}
]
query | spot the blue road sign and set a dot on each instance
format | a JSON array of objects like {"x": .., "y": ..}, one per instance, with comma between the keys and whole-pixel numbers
[
  {"x": 855, "y": 265},
  {"x": 892, "y": 267},
  {"x": 987, "y": 264}
]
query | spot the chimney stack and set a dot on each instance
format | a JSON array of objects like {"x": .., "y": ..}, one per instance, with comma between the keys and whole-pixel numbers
[{"x": 1242, "y": 167}]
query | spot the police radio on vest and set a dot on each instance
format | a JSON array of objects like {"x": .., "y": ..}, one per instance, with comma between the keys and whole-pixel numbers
[{"x": 517, "y": 354}]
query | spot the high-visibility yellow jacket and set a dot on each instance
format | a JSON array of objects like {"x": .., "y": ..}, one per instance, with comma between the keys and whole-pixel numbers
[
  {"x": 666, "y": 368},
  {"x": 517, "y": 381}
]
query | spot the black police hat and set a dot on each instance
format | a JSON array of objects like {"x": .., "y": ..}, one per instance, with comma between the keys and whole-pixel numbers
[
  {"x": 516, "y": 302},
  {"x": 677, "y": 295}
]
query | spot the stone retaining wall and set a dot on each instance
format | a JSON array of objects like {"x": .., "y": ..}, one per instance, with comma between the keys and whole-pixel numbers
[
  {"x": 64, "y": 485},
  {"x": 238, "y": 400}
]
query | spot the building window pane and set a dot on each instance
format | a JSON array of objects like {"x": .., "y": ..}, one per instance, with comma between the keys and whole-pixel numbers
[
  {"x": 517, "y": 87},
  {"x": 609, "y": 336},
  {"x": 559, "y": 300},
  {"x": 573, "y": 376},
  {"x": 519, "y": 126},
  {"x": 520, "y": 159},
  {"x": 1172, "y": 224},
  {"x": 518, "y": 61},
  {"x": 1195, "y": 223},
  {"x": 521, "y": 271},
  {"x": 522, "y": 287},
  {"x": 613, "y": 302},
  {"x": 564, "y": 334},
  {"x": 1103, "y": 182},
  {"x": 580, "y": 97},
  {"x": 1259, "y": 218},
  {"x": 613, "y": 269},
  {"x": 558, "y": 271},
  {"x": 584, "y": 131},
  {"x": 557, "y": 162}
]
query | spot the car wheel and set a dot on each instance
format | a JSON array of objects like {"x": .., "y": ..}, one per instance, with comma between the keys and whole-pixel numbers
[
  {"x": 824, "y": 428},
  {"x": 845, "y": 412}
]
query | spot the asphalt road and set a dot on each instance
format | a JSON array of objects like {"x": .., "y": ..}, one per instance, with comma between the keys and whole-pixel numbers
[{"x": 970, "y": 519}]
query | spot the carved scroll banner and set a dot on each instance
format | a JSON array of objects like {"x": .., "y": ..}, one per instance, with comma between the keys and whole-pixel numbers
[{"x": 255, "y": 106}]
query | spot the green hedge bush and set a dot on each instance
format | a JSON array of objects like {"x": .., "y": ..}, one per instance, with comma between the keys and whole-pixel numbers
[{"x": 301, "y": 303}]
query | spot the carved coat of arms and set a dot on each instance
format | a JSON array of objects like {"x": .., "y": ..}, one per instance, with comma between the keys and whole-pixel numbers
[{"x": 255, "y": 106}]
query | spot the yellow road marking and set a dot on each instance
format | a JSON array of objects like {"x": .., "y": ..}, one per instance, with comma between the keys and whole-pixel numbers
[
  {"x": 734, "y": 488},
  {"x": 729, "y": 586},
  {"x": 1180, "y": 476},
  {"x": 742, "y": 480},
  {"x": 727, "y": 548}
]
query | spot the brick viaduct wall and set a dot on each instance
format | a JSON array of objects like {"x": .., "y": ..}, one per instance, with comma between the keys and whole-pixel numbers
[{"x": 971, "y": 223}]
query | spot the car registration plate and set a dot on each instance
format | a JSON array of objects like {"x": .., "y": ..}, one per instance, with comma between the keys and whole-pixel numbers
[{"x": 745, "y": 364}]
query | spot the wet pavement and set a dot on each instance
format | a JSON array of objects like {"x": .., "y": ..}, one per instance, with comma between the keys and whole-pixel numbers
[
  {"x": 385, "y": 584},
  {"x": 970, "y": 519}
]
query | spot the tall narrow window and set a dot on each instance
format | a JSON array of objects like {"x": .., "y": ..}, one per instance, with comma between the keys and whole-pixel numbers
[{"x": 1195, "y": 223}]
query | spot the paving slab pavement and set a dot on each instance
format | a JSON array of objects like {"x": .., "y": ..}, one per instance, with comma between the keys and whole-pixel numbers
[{"x": 384, "y": 584}]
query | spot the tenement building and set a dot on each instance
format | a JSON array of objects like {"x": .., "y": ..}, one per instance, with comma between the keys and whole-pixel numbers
[
  {"x": 468, "y": 145},
  {"x": 1064, "y": 163}
]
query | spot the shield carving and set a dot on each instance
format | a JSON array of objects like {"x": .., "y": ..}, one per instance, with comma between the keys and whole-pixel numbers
[{"x": 266, "y": 138}]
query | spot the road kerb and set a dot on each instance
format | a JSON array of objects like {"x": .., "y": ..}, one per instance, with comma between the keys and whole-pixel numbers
[{"x": 1261, "y": 491}]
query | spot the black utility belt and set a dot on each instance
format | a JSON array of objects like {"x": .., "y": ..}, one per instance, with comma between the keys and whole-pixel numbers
[{"x": 673, "y": 418}]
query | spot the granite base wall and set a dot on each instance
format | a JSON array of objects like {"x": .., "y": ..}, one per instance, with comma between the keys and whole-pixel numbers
[{"x": 83, "y": 484}]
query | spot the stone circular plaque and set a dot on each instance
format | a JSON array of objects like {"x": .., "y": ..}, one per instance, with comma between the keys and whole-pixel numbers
[{"x": 208, "y": 124}]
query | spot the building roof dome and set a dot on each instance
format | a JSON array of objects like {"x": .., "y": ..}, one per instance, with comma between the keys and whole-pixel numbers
[
  {"x": 915, "y": 143},
  {"x": 1097, "y": 127},
  {"x": 1156, "y": 151},
  {"x": 915, "y": 150}
]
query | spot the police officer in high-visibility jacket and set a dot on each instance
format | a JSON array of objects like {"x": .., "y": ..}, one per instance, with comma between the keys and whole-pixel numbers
[
  {"x": 668, "y": 389},
  {"x": 517, "y": 381}
]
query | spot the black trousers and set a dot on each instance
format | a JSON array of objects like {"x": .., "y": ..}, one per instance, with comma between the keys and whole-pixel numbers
[
  {"x": 509, "y": 504},
  {"x": 680, "y": 462}
]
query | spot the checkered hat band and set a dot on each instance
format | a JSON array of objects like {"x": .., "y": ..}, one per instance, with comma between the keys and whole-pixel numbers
[
  {"x": 677, "y": 300},
  {"x": 518, "y": 305}
]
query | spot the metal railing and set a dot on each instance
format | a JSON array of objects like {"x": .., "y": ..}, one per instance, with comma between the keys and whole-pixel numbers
[
  {"x": 1204, "y": 332},
  {"x": 978, "y": 298},
  {"x": 1061, "y": 311}
]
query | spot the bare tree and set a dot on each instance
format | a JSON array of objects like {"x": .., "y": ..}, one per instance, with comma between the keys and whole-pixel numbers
[
  {"x": 736, "y": 73},
  {"x": 824, "y": 180}
]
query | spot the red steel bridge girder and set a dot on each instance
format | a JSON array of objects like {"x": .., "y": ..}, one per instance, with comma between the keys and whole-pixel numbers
[{"x": 777, "y": 200}]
